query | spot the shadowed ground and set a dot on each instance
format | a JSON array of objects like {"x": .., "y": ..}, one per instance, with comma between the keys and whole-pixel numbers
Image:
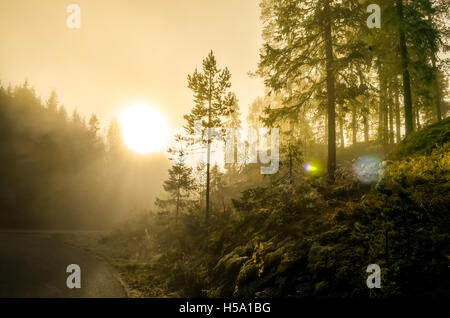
[{"x": 32, "y": 264}]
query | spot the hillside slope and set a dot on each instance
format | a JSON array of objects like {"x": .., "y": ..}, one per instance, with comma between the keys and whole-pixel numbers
[
  {"x": 307, "y": 239},
  {"x": 424, "y": 141}
]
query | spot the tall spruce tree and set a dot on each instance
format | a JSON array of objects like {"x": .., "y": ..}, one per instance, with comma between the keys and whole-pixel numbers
[{"x": 213, "y": 103}]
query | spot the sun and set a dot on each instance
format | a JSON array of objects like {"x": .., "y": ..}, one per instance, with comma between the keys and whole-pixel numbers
[{"x": 144, "y": 128}]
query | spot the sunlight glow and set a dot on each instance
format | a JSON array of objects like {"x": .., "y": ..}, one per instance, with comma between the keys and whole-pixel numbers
[{"x": 144, "y": 128}]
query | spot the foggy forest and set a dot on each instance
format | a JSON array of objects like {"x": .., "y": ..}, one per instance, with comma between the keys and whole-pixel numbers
[{"x": 353, "y": 113}]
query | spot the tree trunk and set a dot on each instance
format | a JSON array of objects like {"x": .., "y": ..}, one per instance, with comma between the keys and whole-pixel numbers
[
  {"x": 409, "y": 124},
  {"x": 354, "y": 125},
  {"x": 178, "y": 205},
  {"x": 385, "y": 123},
  {"x": 417, "y": 117},
  {"x": 391, "y": 119},
  {"x": 330, "y": 94},
  {"x": 380, "y": 122},
  {"x": 366, "y": 128},
  {"x": 380, "y": 105},
  {"x": 382, "y": 112},
  {"x": 341, "y": 131},
  {"x": 290, "y": 167},
  {"x": 437, "y": 90},
  {"x": 436, "y": 81},
  {"x": 397, "y": 116},
  {"x": 207, "y": 185},
  {"x": 208, "y": 156}
]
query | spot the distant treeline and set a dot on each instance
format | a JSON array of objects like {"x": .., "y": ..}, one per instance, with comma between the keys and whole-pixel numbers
[{"x": 55, "y": 169}]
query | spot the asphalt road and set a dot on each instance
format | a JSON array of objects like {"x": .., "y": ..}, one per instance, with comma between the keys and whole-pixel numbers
[{"x": 32, "y": 264}]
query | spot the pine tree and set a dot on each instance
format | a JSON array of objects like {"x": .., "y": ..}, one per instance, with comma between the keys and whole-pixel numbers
[
  {"x": 62, "y": 113},
  {"x": 213, "y": 102},
  {"x": 291, "y": 151},
  {"x": 52, "y": 102},
  {"x": 76, "y": 117},
  {"x": 93, "y": 125},
  {"x": 179, "y": 186},
  {"x": 114, "y": 137}
]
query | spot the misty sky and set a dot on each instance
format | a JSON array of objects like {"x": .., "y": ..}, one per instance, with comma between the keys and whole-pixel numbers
[{"x": 128, "y": 50}]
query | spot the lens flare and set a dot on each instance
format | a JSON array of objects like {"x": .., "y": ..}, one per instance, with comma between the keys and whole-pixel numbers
[
  {"x": 367, "y": 168},
  {"x": 310, "y": 167}
]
